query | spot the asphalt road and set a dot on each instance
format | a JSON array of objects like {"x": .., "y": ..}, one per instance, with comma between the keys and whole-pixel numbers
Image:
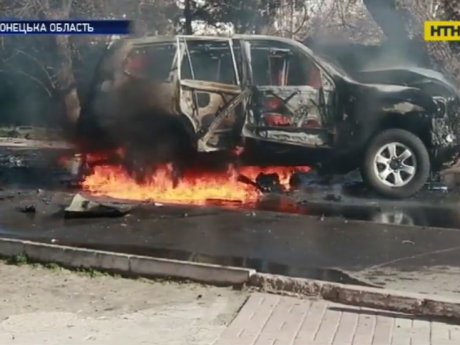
[
  {"x": 305, "y": 246},
  {"x": 333, "y": 232}
]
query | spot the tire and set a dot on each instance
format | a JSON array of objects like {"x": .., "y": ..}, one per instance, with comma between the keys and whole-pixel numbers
[{"x": 401, "y": 177}]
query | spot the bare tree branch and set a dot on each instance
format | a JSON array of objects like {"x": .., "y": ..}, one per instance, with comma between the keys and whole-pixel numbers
[
  {"x": 303, "y": 21},
  {"x": 29, "y": 76},
  {"x": 67, "y": 6},
  {"x": 38, "y": 63}
]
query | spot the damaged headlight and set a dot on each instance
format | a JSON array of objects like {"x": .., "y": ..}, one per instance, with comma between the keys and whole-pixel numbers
[
  {"x": 441, "y": 106},
  {"x": 450, "y": 138}
]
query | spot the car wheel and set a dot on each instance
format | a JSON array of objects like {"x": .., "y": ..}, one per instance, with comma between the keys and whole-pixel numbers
[{"x": 396, "y": 164}]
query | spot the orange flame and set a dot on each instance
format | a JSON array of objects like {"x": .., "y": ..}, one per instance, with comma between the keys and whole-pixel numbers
[{"x": 194, "y": 188}]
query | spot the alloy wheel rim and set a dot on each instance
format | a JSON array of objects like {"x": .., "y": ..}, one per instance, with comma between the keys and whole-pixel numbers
[{"x": 395, "y": 165}]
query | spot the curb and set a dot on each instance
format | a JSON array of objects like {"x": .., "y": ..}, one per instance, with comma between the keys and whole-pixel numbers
[
  {"x": 131, "y": 265},
  {"x": 144, "y": 266},
  {"x": 367, "y": 297}
]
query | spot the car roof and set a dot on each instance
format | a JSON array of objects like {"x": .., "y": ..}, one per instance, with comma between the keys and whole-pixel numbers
[
  {"x": 334, "y": 70},
  {"x": 153, "y": 39}
]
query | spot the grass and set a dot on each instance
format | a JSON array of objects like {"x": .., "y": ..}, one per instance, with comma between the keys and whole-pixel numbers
[
  {"x": 22, "y": 259},
  {"x": 35, "y": 133},
  {"x": 18, "y": 260}
]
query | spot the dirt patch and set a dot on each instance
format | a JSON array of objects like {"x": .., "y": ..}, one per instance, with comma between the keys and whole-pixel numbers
[{"x": 56, "y": 306}]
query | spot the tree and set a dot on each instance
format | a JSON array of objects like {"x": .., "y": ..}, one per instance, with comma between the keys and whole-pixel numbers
[
  {"x": 57, "y": 65},
  {"x": 51, "y": 57},
  {"x": 66, "y": 84},
  {"x": 247, "y": 16},
  {"x": 188, "y": 17},
  {"x": 402, "y": 20}
]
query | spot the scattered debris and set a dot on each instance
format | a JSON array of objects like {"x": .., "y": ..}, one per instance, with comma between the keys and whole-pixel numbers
[
  {"x": 15, "y": 162},
  {"x": 84, "y": 207},
  {"x": 314, "y": 178},
  {"x": 76, "y": 169},
  {"x": 295, "y": 181},
  {"x": 438, "y": 187},
  {"x": 28, "y": 209},
  {"x": 76, "y": 165},
  {"x": 247, "y": 180},
  {"x": 223, "y": 202},
  {"x": 269, "y": 183},
  {"x": 408, "y": 242}
]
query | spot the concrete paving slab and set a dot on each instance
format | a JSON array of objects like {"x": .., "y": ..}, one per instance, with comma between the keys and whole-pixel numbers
[{"x": 274, "y": 320}]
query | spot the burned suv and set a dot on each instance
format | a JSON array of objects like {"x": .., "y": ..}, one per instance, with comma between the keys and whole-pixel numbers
[{"x": 398, "y": 126}]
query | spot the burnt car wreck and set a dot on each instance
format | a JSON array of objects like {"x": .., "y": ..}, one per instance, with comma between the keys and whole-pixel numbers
[{"x": 211, "y": 94}]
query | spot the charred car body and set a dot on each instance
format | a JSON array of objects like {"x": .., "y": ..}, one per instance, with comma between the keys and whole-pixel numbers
[{"x": 398, "y": 126}]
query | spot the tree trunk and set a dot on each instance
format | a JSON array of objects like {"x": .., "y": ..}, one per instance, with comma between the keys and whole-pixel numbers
[
  {"x": 66, "y": 83},
  {"x": 404, "y": 19},
  {"x": 188, "y": 17},
  {"x": 66, "y": 80}
]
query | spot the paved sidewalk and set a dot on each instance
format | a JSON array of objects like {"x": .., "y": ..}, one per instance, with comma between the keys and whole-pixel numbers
[{"x": 274, "y": 320}]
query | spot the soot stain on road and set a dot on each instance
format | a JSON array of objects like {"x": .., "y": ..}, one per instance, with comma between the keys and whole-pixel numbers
[
  {"x": 344, "y": 198},
  {"x": 326, "y": 245},
  {"x": 271, "y": 241}
]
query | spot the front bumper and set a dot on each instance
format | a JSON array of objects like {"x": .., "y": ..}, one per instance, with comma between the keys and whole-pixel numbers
[{"x": 445, "y": 157}]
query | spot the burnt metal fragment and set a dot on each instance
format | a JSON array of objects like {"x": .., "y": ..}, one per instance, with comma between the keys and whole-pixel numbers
[
  {"x": 223, "y": 202},
  {"x": 28, "y": 209},
  {"x": 269, "y": 183},
  {"x": 247, "y": 180},
  {"x": 439, "y": 187},
  {"x": 295, "y": 181},
  {"x": 82, "y": 207}
]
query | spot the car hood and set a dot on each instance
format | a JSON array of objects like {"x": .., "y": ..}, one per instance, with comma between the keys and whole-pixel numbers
[
  {"x": 406, "y": 76},
  {"x": 396, "y": 93}
]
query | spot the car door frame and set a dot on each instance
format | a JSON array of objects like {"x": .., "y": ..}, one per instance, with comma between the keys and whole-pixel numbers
[
  {"x": 326, "y": 132},
  {"x": 235, "y": 91}
]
